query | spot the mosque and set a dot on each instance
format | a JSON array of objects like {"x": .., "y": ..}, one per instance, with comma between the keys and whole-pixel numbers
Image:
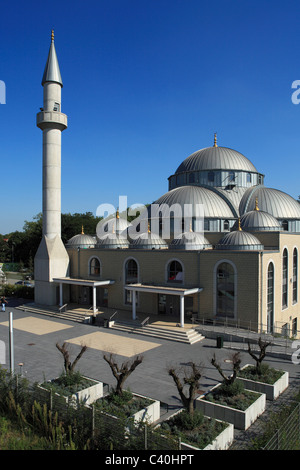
[{"x": 238, "y": 262}]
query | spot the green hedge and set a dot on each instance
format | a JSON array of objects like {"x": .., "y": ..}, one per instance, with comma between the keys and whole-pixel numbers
[{"x": 12, "y": 290}]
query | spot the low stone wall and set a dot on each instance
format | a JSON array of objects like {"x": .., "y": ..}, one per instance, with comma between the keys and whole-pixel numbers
[
  {"x": 272, "y": 391},
  {"x": 240, "y": 419}
]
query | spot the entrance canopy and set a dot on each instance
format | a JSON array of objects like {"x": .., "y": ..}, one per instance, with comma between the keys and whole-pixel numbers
[
  {"x": 151, "y": 289},
  {"x": 81, "y": 282}
]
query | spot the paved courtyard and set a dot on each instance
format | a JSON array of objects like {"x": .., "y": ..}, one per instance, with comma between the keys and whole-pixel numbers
[{"x": 35, "y": 337}]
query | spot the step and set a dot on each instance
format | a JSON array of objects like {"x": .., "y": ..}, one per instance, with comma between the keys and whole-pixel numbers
[
  {"x": 80, "y": 318},
  {"x": 189, "y": 337}
]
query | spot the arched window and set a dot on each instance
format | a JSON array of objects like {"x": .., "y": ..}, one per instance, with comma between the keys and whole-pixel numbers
[
  {"x": 285, "y": 278},
  {"x": 94, "y": 269},
  {"x": 131, "y": 271},
  {"x": 270, "y": 298},
  {"x": 175, "y": 272},
  {"x": 295, "y": 276},
  {"x": 285, "y": 225},
  {"x": 225, "y": 290},
  {"x": 248, "y": 177},
  {"x": 131, "y": 277},
  {"x": 191, "y": 177},
  {"x": 226, "y": 225}
]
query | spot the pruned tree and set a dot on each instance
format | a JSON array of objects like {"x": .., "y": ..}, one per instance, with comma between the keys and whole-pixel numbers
[
  {"x": 191, "y": 378},
  {"x": 262, "y": 353},
  {"x": 122, "y": 372},
  {"x": 236, "y": 365},
  {"x": 69, "y": 366}
]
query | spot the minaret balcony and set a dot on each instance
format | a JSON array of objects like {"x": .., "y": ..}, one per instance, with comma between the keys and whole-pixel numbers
[{"x": 51, "y": 120}]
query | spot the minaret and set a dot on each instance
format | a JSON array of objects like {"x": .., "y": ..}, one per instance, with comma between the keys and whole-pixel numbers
[{"x": 51, "y": 259}]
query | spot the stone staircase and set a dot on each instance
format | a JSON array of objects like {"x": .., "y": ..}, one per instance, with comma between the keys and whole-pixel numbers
[
  {"x": 70, "y": 315},
  {"x": 181, "y": 335}
]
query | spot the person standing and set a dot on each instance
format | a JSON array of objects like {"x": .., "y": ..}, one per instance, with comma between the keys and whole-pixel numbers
[{"x": 3, "y": 303}]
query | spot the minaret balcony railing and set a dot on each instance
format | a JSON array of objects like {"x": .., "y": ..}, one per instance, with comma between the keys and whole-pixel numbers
[{"x": 51, "y": 119}]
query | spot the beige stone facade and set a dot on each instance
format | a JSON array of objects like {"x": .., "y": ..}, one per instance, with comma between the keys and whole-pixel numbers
[{"x": 199, "y": 270}]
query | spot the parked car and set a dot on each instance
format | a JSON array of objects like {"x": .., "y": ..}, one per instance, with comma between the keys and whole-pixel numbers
[{"x": 24, "y": 283}]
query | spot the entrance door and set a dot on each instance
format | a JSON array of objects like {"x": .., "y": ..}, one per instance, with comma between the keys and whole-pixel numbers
[
  {"x": 162, "y": 303},
  {"x": 172, "y": 305},
  {"x": 84, "y": 295}
]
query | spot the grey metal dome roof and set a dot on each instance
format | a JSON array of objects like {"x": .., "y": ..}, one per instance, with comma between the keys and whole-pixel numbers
[
  {"x": 118, "y": 225},
  {"x": 81, "y": 241},
  {"x": 148, "y": 241},
  {"x": 239, "y": 240},
  {"x": 112, "y": 241},
  {"x": 216, "y": 158},
  {"x": 214, "y": 205},
  {"x": 277, "y": 203},
  {"x": 190, "y": 241},
  {"x": 258, "y": 220}
]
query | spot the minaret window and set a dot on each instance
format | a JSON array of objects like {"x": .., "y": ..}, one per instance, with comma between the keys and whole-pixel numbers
[{"x": 56, "y": 107}]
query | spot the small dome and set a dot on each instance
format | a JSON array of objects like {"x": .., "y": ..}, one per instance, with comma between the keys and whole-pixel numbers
[
  {"x": 277, "y": 203},
  {"x": 259, "y": 221},
  {"x": 190, "y": 241},
  {"x": 116, "y": 224},
  {"x": 148, "y": 241},
  {"x": 239, "y": 240},
  {"x": 216, "y": 158},
  {"x": 81, "y": 241},
  {"x": 112, "y": 241}
]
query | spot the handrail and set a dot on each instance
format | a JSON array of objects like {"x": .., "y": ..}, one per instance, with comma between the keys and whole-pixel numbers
[
  {"x": 63, "y": 306},
  {"x": 112, "y": 316},
  {"x": 144, "y": 322}
]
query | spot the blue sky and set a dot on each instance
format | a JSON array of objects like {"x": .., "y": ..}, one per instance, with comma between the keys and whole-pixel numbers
[{"x": 146, "y": 83}]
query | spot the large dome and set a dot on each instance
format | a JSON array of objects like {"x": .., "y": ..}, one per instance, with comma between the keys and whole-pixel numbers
[
  {"x": 214, "y": 205},
  {"x": 273, "y": 201},
  {"x": 216, "y": 158}
]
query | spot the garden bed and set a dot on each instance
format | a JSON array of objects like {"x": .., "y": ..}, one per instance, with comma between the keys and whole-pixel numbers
[
  {"x": 199, "y": 432},
  {"x": 78, "y": 388},
  {"x": 272, "y": 381},
  {"x": 130, "y": 405},
  {"x": 241, "y": 409}
]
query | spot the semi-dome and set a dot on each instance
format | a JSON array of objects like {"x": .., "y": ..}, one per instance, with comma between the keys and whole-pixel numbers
[
  {"x": 216, "y": 158},
  {"x": 81, "y": 241},
  {"x": 277, "y": 203},
  {"x": 239, "y": 240},
  {"x": 259, "y": 221},
  {"x": 190, "y": 241},
  {"x": 214, "y": 205}
]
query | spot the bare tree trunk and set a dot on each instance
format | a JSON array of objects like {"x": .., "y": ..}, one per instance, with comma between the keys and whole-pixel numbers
[
  {"x": 69, "y": 366},
  {"x": 121, "y": 373},
  {"x": 192, "y": 380},
  {"x": 236, "y": 362},
  {"x": 258, "y": 359}
]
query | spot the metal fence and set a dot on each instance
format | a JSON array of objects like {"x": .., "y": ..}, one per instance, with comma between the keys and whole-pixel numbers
[
  {"x": 72, "y": 422},
  {"x": 287, "y": 437}
]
